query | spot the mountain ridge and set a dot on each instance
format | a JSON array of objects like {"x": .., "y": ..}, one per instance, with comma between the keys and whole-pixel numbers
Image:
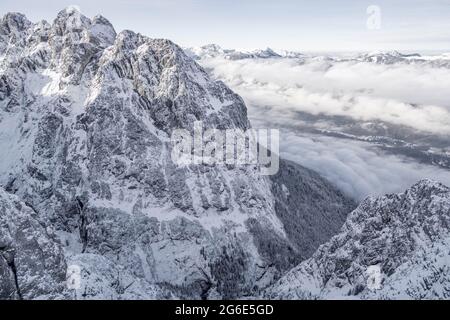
[
  {"x": 405, "y": 235},
  {"x": 86, "y": 114}
]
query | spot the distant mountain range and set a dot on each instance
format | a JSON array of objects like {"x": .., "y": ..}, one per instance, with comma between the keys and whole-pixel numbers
[{"x": 86, "y": 116}]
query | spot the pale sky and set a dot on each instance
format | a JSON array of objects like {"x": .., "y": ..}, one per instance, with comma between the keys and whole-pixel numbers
[{"x": 321, "y": 25}]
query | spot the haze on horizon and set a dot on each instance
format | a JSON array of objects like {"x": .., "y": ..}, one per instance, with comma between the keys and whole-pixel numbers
[{"x": 323, "y": 25}]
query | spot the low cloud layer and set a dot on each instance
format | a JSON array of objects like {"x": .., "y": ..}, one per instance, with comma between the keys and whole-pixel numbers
[{"x": 409, "y": 95}]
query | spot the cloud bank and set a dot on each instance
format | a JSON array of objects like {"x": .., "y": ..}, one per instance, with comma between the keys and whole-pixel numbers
[
  {"x": 409, "y": 95},
  {"x": 415, "y": 96}
]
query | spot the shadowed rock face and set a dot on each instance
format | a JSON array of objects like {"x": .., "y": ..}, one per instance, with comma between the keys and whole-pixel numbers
[
  {"x": 405, "y": 235},
  {"x": 87, "y": 114}
]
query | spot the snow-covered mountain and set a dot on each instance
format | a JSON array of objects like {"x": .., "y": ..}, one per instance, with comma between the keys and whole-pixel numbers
[
  {"x": 406, "y": 236},
  {"x": 87, "y": 183},
  {"x": 214, "y": 50},
  {"x": 378, "y": 57},
  {"x": 32, "y": 264},
  {"x": 352, "y": 101},
  {"x": 85, "y": 122},
  {"x": 393, "y": 57},
  {"x": 386, "y": 57}
]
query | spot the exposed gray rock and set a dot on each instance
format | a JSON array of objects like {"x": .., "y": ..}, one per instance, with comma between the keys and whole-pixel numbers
[
  {"x": 310, "y": 208},
  {"x": 405, "y": 235},
  {"x": 32, "y": 264}
]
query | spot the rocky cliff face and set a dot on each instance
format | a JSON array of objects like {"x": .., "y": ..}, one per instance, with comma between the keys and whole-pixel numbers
[
  {"x": 405, "y": 236},
  {"x": 32, "y": 264},
  {"x": 86, "y": 117}
]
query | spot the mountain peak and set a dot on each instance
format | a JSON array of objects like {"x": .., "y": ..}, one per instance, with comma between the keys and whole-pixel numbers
[
  {"x": 212, "y": 47},
  {"x": 71, "y": 11},
  {"x": 102, "y": 31},
  {"x": 88, "y": 117},
  {"x": 14, "y": 22},
  {"x": 99, "y": 19},
  {"x": 430, "y": 184},
  {"x": 70, "y": 20}
]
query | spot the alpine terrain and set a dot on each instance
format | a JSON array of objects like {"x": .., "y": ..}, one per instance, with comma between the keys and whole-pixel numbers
[
  {"x": 88, "y": 183},
  {"x": 406, "y": 236}
]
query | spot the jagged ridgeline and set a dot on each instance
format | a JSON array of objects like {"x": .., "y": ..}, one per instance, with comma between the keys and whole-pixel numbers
[
  {"x": 404, "y": 237},
  {"x": 88, "y": 182}
]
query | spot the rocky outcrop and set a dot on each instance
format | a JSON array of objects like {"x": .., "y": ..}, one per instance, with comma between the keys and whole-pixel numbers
[
  {"x": 213, "y": 50},
  {"x": 403, "y": 237}
]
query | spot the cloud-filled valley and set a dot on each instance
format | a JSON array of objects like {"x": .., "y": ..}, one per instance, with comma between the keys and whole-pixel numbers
[{"x": 390, "y": 122}]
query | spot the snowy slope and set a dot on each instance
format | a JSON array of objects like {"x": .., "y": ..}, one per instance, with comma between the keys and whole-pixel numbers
[
  {"x": 407, "y": 236},
  {"x": 32, "y": 263}
]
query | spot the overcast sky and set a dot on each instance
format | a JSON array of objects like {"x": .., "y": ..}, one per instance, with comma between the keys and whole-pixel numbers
[{"x": 323, "y": 25}]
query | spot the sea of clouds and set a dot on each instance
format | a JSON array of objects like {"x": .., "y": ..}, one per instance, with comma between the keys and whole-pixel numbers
[
  {"x": 412, "y": 95},
  {"x": 355, "y": 167}
]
